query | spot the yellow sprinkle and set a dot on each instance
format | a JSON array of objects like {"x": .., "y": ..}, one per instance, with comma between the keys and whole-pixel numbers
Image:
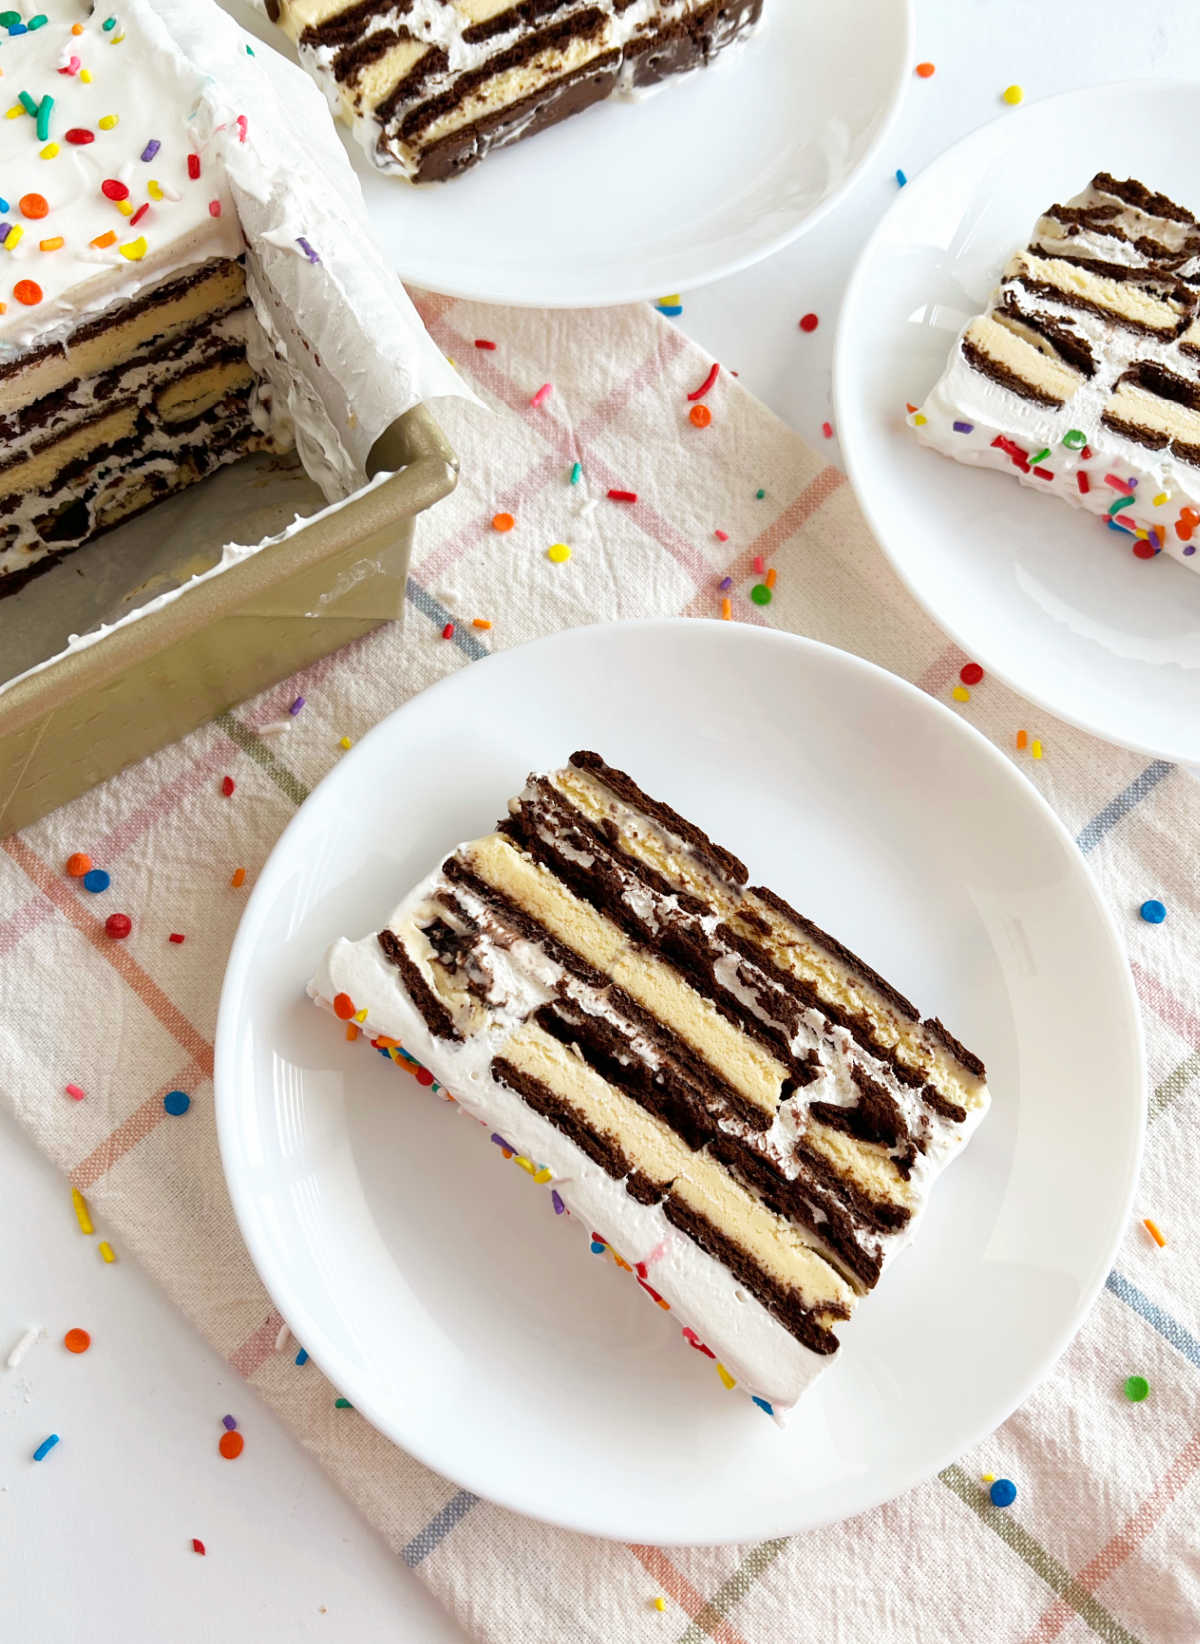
[
  {"x": 544, "y": 1175},
  {"x": 960, "y": 693},
  {"x": 136, "y": 249},
  {"x": 345, "y": 743},
  {"x": 525, "y": 1164},
  {"x": 724, "y": 1375},
  {"x": 671, "y": 301},
  {"x": 919, "y": 419},
  {"x": 116, "y": 39},
  {"x": 1014, "y": 95},
  {"x": 1035, "y": 748},
  {"x": 86, "y": 76},
  {"x": 14, "y": 111},
  {"x": 55, "y": 244},
  {"x": 49, "y": 152},
  {"x": 125, "y": 207},
  {"x": 558, "y": 552},
  {"x": 81, "y": 1211},
  {"x": 106, "y": 1250},
  {"x": 988, "y": 1478},
  {"x": 14, "y": 237},
  {"x": 154, "y": 189},
  {"x": 107, "y": 121},
  {"x": 1160, "y": 499},
  {"x": 360, "y": 1015},
  {"x": 660, "y": 1603}
]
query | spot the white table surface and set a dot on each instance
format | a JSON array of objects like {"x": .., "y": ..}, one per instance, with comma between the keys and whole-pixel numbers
[{"x": 94, "y": 1543}]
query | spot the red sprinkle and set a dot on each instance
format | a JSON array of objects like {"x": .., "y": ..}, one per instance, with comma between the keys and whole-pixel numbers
[
  {"x": 174, "y": 937},
  {"x": 448, "y": 631},
  {"x": 423, "y": 1076},
  {"x": 193, "y": 166},
  {"x": 214, "y": 208},
  {"x": 810, "y": 322},
  {"x": 482, "y": 342},
  {"x": 241, "y": 123},
  {"x": 758, "y": 565},
  {"x": 699, "y": 393},
  {"x": 118, "y": 926},
  {"x": 970, "y": 673},
  {"x": 227, "y": 785},
  {"x": 113, "y": 189},
  {"x": 197, "y": 1546},
  {"x": 139, "y": 214},
  {"x": 1086, "y": 454},
  {"x": 80, "y": 135},
  {"x": 1082, "y": 482},
  {"x": 1144, "y": 550},
  {"x": 721, "y": 536},
  {"x": 1044, "y": 473},
  {"x": 75, "y": 1093},
  {"x": 1118, "y": 484},
  {"x": 827, "y": 430},
  {"x": 622, "y": 496}
]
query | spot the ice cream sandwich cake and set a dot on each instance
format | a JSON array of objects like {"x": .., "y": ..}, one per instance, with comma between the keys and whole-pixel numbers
[
  {"x": 1082, "y": 377},
  {"x": 745, "y": 1113},
  {"x": 431, "y": 86}
]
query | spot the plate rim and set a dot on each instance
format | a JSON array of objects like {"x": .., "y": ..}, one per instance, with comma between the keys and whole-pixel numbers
[
  {"x": 856, "y": 466},
  {"x": 467, "y": 291},
  {"x": 225, "y": 1097}
]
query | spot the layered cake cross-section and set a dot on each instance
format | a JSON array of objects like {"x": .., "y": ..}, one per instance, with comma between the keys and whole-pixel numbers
[
  {"x": 724, "y": 1094},
  {"x": 1082, "y": 377},
  {"x": 431, "y": 86}
]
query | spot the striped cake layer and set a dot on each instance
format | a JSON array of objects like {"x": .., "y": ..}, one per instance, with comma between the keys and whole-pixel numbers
[
  {"x": 772, "y": 1107},
  {"x": 431, "y": 86},
  {"x": 1085, "y": 368},
  {"x": 169, "y": 397}
]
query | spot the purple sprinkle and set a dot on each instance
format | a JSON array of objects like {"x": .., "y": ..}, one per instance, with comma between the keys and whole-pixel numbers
[
  {"x": 151, "y": 149},
  {"x": 5, "y": 229},
  {"x": 1190, "y": 549},
  {"x": 964, "y": 427},
  {"x": 307, "y": 249},
  {"x": 229, "y": 1423},
  {"x": 296, "y": 705},
  {"x": 726, "y": 582},
  {"x": 559, "y": 1206},
  {"x": 1132, "y": 482},
  {"x": 500, "y": 1142}
]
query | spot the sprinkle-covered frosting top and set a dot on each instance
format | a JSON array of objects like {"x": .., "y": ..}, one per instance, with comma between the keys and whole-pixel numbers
[{"x": 105, "y": 181}]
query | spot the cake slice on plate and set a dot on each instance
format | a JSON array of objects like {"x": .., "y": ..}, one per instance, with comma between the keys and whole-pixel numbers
[
  {"x": 431, "y": 86},
  {"x": 742, "y": 1111},
  {"x": 1083, "y": 375}
]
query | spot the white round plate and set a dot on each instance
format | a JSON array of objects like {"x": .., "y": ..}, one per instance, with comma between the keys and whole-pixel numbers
[
  {"x": 635, "y": 199},
  {"x": 1036, "y": 591},
  {"x": 433, "y": 1283}
]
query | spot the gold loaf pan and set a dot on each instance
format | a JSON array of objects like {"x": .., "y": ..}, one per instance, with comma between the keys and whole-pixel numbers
[{"x": 90, "y": 713}]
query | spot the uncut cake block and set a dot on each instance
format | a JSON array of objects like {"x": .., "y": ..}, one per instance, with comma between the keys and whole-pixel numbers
[
  {"x": 431, "y": 86},
  {"x": 727, "y": 1097},
  {"x": 1082, "y": 377}
]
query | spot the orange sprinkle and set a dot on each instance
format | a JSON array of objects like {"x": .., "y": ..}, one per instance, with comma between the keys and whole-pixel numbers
[
  {"x": 384, "y": 1043},
  {"x": 502, "y": 522},
  {"x": 1022, "y": 739},
  {"x": 352, "y": 1031},
  {"x": 481, "y": 622},
  {"x": 77, "y": 1341},
  {"x": 76, "y": 28},
  {"x": 700, "y": 416},
  {"x": 79, "y": 863},
  {"x": 925, "y": 70},
  {"x": 28, "y": 292},
  {"x": 343, "y": 1006},
  {"x": 771, "y": 577},
  {"x": 726, "y": 609},
  {"x": 1154, "y": 1233},
  {"x": 239, "y": 878},
  {"x": 56, "y": 244},
  {"x": 34, "y": 205},
  {"x": 231, "y": 1445},
  {"x": 103, "y": 241}
]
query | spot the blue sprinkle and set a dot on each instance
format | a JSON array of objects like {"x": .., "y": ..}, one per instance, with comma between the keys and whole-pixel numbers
[
  {"x": 151, "y": 149},
  {"x": 763, "y": 1405},
  {"x": 597, "y": 1248},
  {"x": 901, "y": 178},
  {"x": 96, "y": 880},
  {"x": 1120, "y": 529},
  {"x": 177, "y": 1102},
  {"x": 964, "y": 427},
  {"x": 45, "y": 1447},
  {"x": 672, "y": 310},
  {"x": 302, "y": 1357},
  {"x": 1153, "y": 912},
  {"x": 21, "y": 28},
  {"x": 1003, "y": 1492},
  {"x": 4, "y": 205},
  {"x": 559, "y": 1206},
  {"x": 383, "y": 1051}
]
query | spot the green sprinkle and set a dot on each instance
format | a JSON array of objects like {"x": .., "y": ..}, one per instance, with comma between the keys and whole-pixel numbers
[
  {"x": 576, "y": 473},
  {"x": 760, "y": 594},
  {"x": 342, "y": 1404},
  {"x": 43, "y": 118},
  {"x": 1121, "y": 502},
  {"x": 28, "y": 103},
  {"x": 249, "y": 53},
  {"x": 109, "y": 24},
  {"x": 38, "y": 22},
  {"x": 1074, "y": 438},
  {"x": 1136, "y": 1388},
  {"x": 760, "y": 495},
  {"x": 8, "y": 18},
  {"x": 1041, "y": 457}
]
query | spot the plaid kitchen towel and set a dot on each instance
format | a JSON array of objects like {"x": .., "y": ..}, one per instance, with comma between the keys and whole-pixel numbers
[{"x": 1102, "y": 1540}]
